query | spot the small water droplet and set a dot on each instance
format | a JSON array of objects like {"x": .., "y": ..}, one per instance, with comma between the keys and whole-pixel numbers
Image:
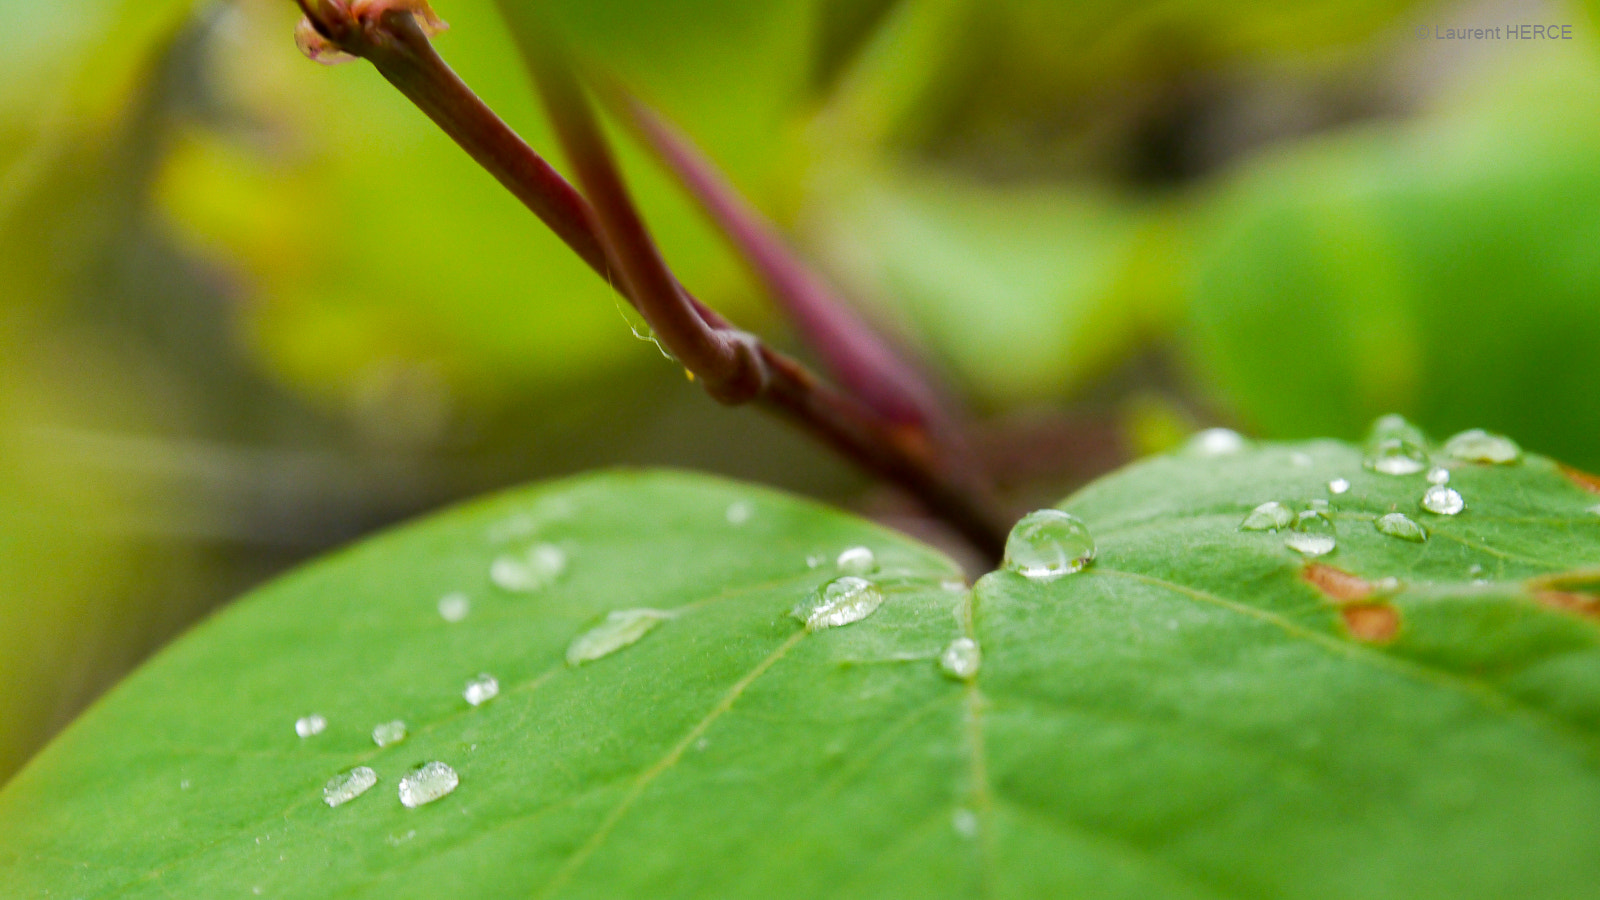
[
  {"x": 1047, "y": 544},
  {"x": 1595, "y": 510},
  {"x": 1475, "y": 569},
  {"x": 1438, "y": 475},
  {"x": 1339, "y": 486},
  {"x": 1215, "y": 442},
  {"x": 1387, "y": 586},
  {"x": 1269, "y": 516},
  {"x": 1395, "y": 456},
  {"x": 1319, "y": 503},
  {"x": 1477, "y": 445},
  {"x": 347, "y": 786},
  {"x": 1310, "y": 544},
  {"x": 1395, "y": 425},
  {"x": 815, "y": 560},
  {"x": 739, "y": 512},
  {"x": 1401, "y": 526},
  {"x": 965, "y": 822},
  {"x": 842, "y": 601},
  {"x": 1442, "y": 500},
  {"x": 621, "y": 628},
  {"x": 183, "y": 785},
  {"x": 857, "y": 561},
  {"x": 961, "y": 659},
  {"x": 427, "y": 783},
  {"x": 482, "y": 689},
  {"x": 307, "y": 726},
  {"x": 454, "y": 607},
  {"x": 1314, "y": 521},
  {"x": 389, "y": 733},
  {"x": 534, "y": 569}
]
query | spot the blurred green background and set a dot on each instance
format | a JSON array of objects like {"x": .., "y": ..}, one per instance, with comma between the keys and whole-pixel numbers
[{"x": 252, "y": 308}]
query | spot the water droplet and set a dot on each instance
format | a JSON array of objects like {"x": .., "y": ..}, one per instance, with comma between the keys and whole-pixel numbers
[
  {"x": 389, "y": 733},
  {"x": 621, "y": 628},
  {"x": 1394, "y": 425},
  {"x": 183, "y": 785},
  {"x": 1595, "y": 510},
  {"x": 843, "y": 600},
  {"x": 1215, "y": 442},
  {"x": 1310, "y": 544},
  {"x": 857, "y": 561},
  {"x": 1477, "y": 445},
  {"x": 1442, "y": 500},
  {"x": 482, "y": 689},
  {"x": 1438, "y": 475},
  {"x": 1475, "y": 569},
  {"x": 815, "y": 560},
  {"x": 1395, "y": 456},
  {"x": 310, "y": 725},
  {"x": 961, "y": 658},
  {"x": 1319, "y": 503},
  {"x": 739, "y": 512},
  {"x": 1401, "y": 526},
  {"x": 965, "y": 822},
  {"x": 427, "y": 783},
  {"x": 1269, "y": 516},
  {"x": 534, "y": 569},
  {"x": 1387, "y": 586},
  {"x": 1314, "y": 521},
  {"x": 1338, "y": 486},
  {"x": 347, "y": 786},
  {"x": 1047, "y": 544},
  {"x": 454, "y": 607}
]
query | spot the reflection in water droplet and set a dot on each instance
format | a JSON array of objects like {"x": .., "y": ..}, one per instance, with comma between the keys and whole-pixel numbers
[
  {"x": 1269, "y": 516},
  {"x": 1310, "y": 544},
  {"x": 1395, "y": 456},
  {"x": 621, "y": 628},
  {"x": 454, "y": 607},
  {"x": 347, "y": 786},
  {"x": 857, "y": 561},
  {"x": 1442, "y": 500},
  {"x": 534, "y": 569},
  {"x": 1047, "y": 544},
  {"x": 427, "y": 783},
  {"x": 1338, "y": 486},
  {"x": 1215, "y": 442},
  {"x": 310, "y": 725},
  {"x": 1401, "y": 526},
  {"x": 961, "y": 659},
  {"x": 482, "y": 689},
  {"x": 739, "y": 512},
  {"x": 1438, "y": 475},
  {"x": 844, "y": 600},
  {"x": 1477, "y": 445},
  {"x": 389, "y": 733}
]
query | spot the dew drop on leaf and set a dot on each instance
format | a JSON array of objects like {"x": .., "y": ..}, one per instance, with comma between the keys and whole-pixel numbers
[
  {"x": 347, "y": 786},
  {"x": 1215, "y": 442},
  {"x": 533, "y": 569},
  {"x": 389, "y": 733},
  {"x": 961, "y": 659},
  {"x": 857, "y": 561},
  {"x": 1395, "y": 456},
  {"x": 1401, "y": 526},
  {"x": 1310, "y": 544},
  {"x": 306, "y": 726},
  {"x": 427, "y": 783},
  {"x": 1047, "y": 544},
  {"x": 621, "y": 628},
  {"x": 1438, "y": 475},
  {"x": 965, "y": 822},
  {"x": 1477, "y": 445},
  {"x": 739, "y": 512},
  {"x": 1269, "y": 516},
  {"x": 482, "y": 689},
  {"x": 454, "y": 607},
  {"x": 1338, "y": 486},
  {"x": 1442, "y": 500},
  {"x": 842, "y": 601}
]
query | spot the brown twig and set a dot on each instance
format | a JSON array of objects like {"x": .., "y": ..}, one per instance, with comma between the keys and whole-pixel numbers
[{"x": 610, "y": 236}]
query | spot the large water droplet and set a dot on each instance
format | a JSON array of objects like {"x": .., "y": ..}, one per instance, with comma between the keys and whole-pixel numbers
[
  {"x": 427, "y": 783},
  {"x": 482, "y": 689},
  {"x": 739, "y": 512},
  {"x": 961, "y": 659},
  {"x": 857, "y": 561},
  {"x": 389, "y": 733},
  {"x": 1395, "y": 456},
  {"x": 454, "y": 607},
  {"x": 1443, "y": 500},
  {"x": 347, "y": 786},
  {"x": 1047, "y": 544},
  {"x": 533, "y": 569},
  {"x": 1477, "y": 445},
  {"x": 1339, "y": 486},
  {"x": 1269, "y": 516},
  {"x": 621, "y": 628},
  {"x": 1215, "y": 442},
  {"x": 1311, "y": 544},
  {"x": 843, "y": 600},
  {"x": 307, "y": 726},
  {"x": 1438, "y": 475},
  {"x": 1401, "y": 526}
]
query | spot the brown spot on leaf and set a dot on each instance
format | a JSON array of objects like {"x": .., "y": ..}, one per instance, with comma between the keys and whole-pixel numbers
[
  {"x": 1577, "y": 591},
  {"x": 1570, "y": 601},
  {"x": 1336, "y": 584},
  {"x": 1590, "y": 483},
  {"x": 1376, "y": 623}
]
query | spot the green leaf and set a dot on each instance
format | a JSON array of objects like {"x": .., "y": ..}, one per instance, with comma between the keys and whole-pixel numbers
[{"x": 1192, "y": 716}]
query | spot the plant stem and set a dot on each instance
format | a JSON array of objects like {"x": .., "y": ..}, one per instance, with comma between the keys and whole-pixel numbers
[{"x": 610, "y": 236}]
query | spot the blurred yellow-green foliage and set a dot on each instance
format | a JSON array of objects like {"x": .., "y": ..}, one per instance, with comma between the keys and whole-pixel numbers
[{"x": 253, "y": 308}]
